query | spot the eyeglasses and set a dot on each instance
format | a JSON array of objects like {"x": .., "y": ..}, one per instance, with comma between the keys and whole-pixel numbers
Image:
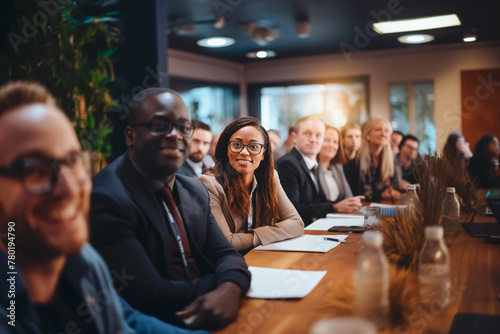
[
  {"x": 253, "y": 148},
  {"x": 39, "y": 174},
  {"x": 160, "y": 127}
]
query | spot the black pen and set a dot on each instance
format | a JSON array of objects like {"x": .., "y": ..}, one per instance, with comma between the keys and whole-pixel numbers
[{"x": 333, "y": 239}]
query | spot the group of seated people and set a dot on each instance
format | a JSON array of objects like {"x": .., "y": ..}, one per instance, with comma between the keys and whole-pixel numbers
[{"x": 171, "y": 227}]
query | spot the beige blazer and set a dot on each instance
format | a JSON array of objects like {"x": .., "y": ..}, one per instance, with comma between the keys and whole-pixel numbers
[{"x": 289, "y": 226}]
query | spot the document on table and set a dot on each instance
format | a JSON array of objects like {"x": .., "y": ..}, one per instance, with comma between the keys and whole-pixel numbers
[
  {"x": 343, "y": 215},
  {"x": 273, "y": 283},
  {"x": 324, "y": 224},
  {"x": 304, "y": 243}
]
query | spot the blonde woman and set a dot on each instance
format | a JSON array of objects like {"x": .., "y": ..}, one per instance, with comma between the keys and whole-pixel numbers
[{"x": 373, "y": 173}]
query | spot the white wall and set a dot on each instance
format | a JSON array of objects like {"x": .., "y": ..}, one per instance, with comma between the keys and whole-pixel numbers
[{"x": 441, "y": 64}]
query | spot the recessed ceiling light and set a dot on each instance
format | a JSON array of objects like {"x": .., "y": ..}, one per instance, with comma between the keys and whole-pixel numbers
[
  {"x": 415, "y": 38},
  {"x": 215, "y": 42},
  {"x": 469, "y": 38},
  {"x": 261, "y": 54},
  {"x": 421, "y": 23}
]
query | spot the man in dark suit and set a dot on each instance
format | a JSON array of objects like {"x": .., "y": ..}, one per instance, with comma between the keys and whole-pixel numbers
[
  {"x": 200, "y": 143},
  {"x": 300, "y": 178},
  {"x": 156, "y": 228}
]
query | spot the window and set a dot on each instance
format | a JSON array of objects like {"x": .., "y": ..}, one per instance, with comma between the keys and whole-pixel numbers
[
  {"x": 335, "y": 103},
  {"x": 412, "y": 110},
  {"x": 214, "y": 104}
]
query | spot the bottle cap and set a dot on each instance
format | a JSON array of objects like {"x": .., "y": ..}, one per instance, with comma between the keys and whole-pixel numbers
[
  {"x": 433, "y": 232},
  {"x": 450, "y": 189},
  {"x": 372, "y": 238},
  {"x": 411, "y": 187}
]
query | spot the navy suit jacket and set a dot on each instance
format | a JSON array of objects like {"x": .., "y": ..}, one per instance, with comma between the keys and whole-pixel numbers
[
  {"x": 129, "y": 229},
  {"x": 300, "y": 188},
  {"x": 187, "y": 170}
]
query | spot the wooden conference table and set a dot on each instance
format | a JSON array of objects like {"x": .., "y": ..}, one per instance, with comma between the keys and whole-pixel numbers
[{"x": 475, "y": 278}]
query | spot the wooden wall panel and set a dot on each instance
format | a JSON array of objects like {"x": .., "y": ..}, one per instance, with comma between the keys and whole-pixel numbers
[{"x": 480, "y": 104}]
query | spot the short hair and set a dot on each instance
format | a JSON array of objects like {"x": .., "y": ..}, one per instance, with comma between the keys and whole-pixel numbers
[
  {"x": 408, "y": 137},
  {"x": 274, "y": 131},
  {"x": 201, "y": 125},
  {"x": 19, "y": 93},
  {"x": 291, "y": 130},
  {"x": 398, "y": 133},
  {"x": 138, "y": 100},
  {"x": 348, "y": 126},
  {"x": 304, "y": 119}
]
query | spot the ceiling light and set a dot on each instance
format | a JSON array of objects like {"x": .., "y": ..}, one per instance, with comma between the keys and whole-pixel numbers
[
  {"x": 260, "y": 35},
  {"x": 215, "y": 42},
  {"x": 415, "y": 38},
  {"x": 421, "y": 23},
  {"x": 470, "y": 36},
  {"x": 219, "y": 23},
  {"x": 261, "y": 54},
  {"x": 303, "y": 29}
]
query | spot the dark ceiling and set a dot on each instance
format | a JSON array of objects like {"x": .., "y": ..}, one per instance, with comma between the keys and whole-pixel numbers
[{"x": 334, "y": 23}]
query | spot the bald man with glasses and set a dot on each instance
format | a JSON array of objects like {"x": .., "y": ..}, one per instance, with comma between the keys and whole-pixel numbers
[{"x": 157, "y": 227}]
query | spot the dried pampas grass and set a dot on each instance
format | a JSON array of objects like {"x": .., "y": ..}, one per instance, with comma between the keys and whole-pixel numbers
[
  {"x": 403, "y": 296},
  {"x": 403, "y": 237}
]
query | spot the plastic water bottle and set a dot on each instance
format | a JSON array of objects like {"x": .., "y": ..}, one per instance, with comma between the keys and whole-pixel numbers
[
  {"x": 411, "y": 199},
  {"x": 371, "y": 280},
  {"x": 434, "y": 270},
  {"x": 451, "y": 213}
]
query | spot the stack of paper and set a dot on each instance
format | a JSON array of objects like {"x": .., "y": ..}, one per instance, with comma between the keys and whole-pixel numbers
[
  {"x": 324, "y": 224},
  {"x": 304, "y": 243},
  {"x": 282, "y": 283}
]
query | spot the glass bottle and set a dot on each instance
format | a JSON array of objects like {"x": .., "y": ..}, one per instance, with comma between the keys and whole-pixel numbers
[
  {"x": 371, "y": 280},
  {"x": 451, "y": 213},
  {"x": 434, "y": 270}
]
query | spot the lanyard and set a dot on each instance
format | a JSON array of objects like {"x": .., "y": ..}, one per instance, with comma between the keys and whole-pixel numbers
[
  {"x": 177, "y": 235},
  {"x": 254, "y": 212}
]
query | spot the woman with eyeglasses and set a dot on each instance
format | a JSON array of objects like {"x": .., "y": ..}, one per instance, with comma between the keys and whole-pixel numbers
[{"x": 246, "y": 197}]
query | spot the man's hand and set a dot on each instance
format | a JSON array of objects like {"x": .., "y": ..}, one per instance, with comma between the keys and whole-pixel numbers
[
  {"x": 349, "y": 205},
  {"x": 214, "y": 310},
  {"x": 402, "y": 184},
  {"x": 391, "y": 194}
]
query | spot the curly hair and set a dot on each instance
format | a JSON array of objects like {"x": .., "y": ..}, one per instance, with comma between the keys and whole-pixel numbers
[{"x": 238, "y": 197}]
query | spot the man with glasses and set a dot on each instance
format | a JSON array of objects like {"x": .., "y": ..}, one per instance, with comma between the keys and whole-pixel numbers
[
  {"x": 156, "y": 227},
  {"x": 405, "y": 160},
  {"x": 45, "y": 187}
]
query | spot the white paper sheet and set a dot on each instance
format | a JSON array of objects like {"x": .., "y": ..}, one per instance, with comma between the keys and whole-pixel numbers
[
  {"x": 324, "y": 224},
  {"x": 343, "y": 215},
  {"x": 304, "y": 243},
  {"x": 273, "y": 283}
]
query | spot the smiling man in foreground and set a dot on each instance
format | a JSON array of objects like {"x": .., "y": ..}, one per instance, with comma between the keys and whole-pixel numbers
[{"x": 157, "y": 229}]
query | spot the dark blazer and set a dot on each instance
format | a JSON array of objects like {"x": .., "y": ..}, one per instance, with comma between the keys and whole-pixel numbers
[
  {"x": 300, "y": 188},
  {"x": 129, "y": 229},
  {"x": 187, "y": 170}
]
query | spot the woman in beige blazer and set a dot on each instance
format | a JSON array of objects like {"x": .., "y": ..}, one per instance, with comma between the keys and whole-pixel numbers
[{"x": 246, "y": 197}]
